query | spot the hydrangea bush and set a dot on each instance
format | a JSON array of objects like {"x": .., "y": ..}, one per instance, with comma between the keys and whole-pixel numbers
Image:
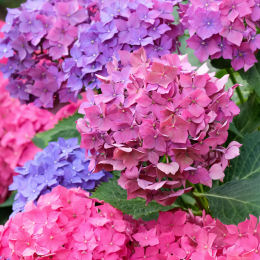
[
  {"x": 54, "y": 48},
  {"x": 226, "y": 28},
  {"x": 163, "y": 125},
  {"x": 181, "y": 150}
]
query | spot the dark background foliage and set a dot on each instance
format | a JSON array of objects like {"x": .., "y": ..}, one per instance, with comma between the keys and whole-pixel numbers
[{"x": 8, "y": 4}]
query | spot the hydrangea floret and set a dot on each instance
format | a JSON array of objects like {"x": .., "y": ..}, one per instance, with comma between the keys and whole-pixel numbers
[
  {"x": 56, "y": 47},
  {"x": 67, "y": 224},
  {"x": 60, "y": 163},
  {"x": 226, "y": 28},
  {"x": 161, "y": 123}
]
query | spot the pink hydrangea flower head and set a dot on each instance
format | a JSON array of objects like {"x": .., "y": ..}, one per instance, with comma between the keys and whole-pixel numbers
[
  {"x": 162, "y": 124},
  {"x": 178, "y": 235},
  {"x": 67, "y": 223}
]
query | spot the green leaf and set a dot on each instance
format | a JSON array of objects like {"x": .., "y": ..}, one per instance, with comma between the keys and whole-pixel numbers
[
  {"x": 9, "y": 201},
  {"x": 176, "y": 15},
  {"x": 66, "y": 128},
  {"x": 113, "y": 194},
  {"x": 11, "y": 3},
  {"x": 220, "y": 63},
  {"x": 233, "y": 129},
  {"x": 233, "y": 201},
  {"x": 249, "y": 118},
  {"x": 4, "y": 214},
  {"x": 188, "y": 199},
  {"x": 252, "y": 76},
  {"x": 248, "y": 163}
]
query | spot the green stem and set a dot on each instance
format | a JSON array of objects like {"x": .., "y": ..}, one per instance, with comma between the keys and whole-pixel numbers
[
  {"x": 200, "y": 196},
  {"x": 204, "y": 198},
  {"x": 201, "y": 188},
  {"x": 239, "y": 93}
]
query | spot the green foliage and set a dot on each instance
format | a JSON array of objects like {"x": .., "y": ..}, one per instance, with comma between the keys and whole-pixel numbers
[
  {"x": 221, "y": 63},
  {"x": 9, "y": 201},
  {"x": 113, "y": 194},
  {"x": 176, "y": 15},
  {"x": 6, "y": 209},
  {"x": 233, "y": 201},
  {"x": 249, "y": 118},
  {"x": 4, "y": 214},
  {"x": 252, "y": 76},
  {"x": 8, "y": 4},
  {"x": 11, "y": 3},
  {"x": 66, "y": 128}
]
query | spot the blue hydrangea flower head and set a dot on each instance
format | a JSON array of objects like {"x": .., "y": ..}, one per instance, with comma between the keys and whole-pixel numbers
[{"x": 60, "y": 163}]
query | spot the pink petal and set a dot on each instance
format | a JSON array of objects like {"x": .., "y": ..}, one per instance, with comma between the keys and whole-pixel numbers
[
  {"x": 216, "y": 172},
  {"x": 168, "y": 168}
]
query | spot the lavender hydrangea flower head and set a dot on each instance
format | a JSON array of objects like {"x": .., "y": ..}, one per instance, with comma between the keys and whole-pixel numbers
[
  {"x": 55, "y": 47},
  {"x": 60, "y": 163}
]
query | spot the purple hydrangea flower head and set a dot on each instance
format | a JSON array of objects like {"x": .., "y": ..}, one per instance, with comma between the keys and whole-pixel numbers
[
  {"x": 231, "y": 25},
  {"x": 78, "y": 38},
  {"x": 60, "y": 163}
]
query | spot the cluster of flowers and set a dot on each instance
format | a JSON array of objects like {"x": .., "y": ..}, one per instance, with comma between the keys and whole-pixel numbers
[
  {"x": 226, "y": 28},
  {"x": 160, "y": 123},
  {"x": 60, "y": 163},
  {"x": 67, "y": 224},
  {"x": 18, "y": 125},
  {"x": 180, "y": 235},
  {"x": 55, "y": 47}
]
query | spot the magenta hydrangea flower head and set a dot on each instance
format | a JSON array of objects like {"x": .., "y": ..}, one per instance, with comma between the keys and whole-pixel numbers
[
  {"x": 56, "y": 47},
  {"x": 178, "y": 235},
  {"x": 160, "y": 122},
  {"x": 227, "y": 28},
  {"x": 67, "y": 224}
]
